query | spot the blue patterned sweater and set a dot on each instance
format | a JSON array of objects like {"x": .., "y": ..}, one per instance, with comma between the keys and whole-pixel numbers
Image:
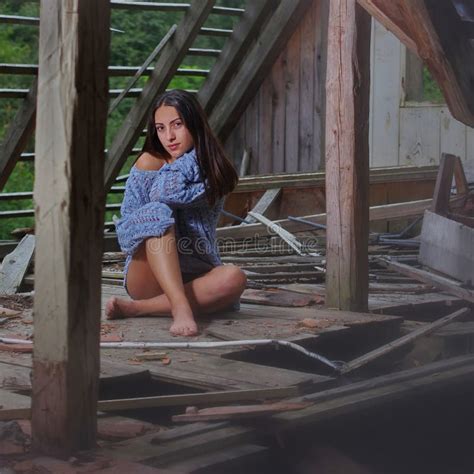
[{"x": 174, "y": 194}]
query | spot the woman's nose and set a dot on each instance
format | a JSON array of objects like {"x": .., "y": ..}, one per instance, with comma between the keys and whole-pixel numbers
[{"x": 170, "y": 134}]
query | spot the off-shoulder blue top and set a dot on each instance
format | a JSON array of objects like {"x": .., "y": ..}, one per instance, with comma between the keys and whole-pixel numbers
[{"x": 174, "y": 194}]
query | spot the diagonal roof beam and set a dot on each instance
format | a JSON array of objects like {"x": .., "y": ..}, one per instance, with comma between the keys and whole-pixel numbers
[
  {"x": 165, "y": 68},
  {"x": 18, "y": 134},
  {"x": 233, "y": 52},
  {"x": 437, "y": 34},
  {"x": 259, "y": 60}
]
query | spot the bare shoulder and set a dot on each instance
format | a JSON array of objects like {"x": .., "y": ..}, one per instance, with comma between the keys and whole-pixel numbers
[{"x": 149, "y": 162}]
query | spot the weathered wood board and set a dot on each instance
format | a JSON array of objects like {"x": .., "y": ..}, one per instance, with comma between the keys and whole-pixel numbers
[{"x": 448, "y": 247}]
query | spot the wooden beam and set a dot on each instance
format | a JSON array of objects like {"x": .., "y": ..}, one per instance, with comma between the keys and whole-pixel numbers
[
  {"x": 264, "y": 203},
  {"x": 165, "y": 68},
  {"x": 69, "y": 197},
  {"x": 260, "y": 58},
  {"x": 422, "y": 331},
  {"x": 447, "y": 245},
  {"x": 17, "y": 135},
  {"x": 444, "y": 181},
  {"x": 233, "y": 52},
  {"x": 385, "y": 212},
  {"x": 15, "y": 264},
  {"x": 347, "y": 156},
  {"x": 445, "y": 284},
  {"x": 434, "y": 31},
  {"x": 413, "y": 86}
]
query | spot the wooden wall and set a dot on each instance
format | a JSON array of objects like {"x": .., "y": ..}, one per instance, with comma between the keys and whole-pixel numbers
[
  {"x": 403, "y": 132},
  {"x": 281, "y": 127}
]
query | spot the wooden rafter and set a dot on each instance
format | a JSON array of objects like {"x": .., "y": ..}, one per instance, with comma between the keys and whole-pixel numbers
[
  {"x": 434, "y": 30},
  {"x": 18, "y": 134},
  {"x": 165, "y": 68},
  {"x": 233, "y": 52},
  {"x": 255, "y": 66}
]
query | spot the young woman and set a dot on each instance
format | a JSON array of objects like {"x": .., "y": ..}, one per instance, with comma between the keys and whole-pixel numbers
[{"x": 172, "y": 201}]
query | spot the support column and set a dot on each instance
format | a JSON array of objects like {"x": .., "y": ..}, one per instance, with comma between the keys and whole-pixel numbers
[
  {"x": 347, "y": 155},
  {"x": 69, "y": 207}
]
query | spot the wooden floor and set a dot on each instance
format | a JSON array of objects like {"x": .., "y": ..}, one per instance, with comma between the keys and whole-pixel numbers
[
  {"x": 188, "y": 371},
  {"x": 202, "y": 369}
]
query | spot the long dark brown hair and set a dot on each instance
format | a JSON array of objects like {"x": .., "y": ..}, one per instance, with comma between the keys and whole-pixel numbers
[{"x": 215, "y": 168}]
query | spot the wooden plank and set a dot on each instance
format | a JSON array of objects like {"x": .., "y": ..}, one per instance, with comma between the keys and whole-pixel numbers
[
  {"x": 252, "y": 133},
  {"x": 255, "y": 67},
  {"x": 14, "y": 406},
  {"x": 419, "y": 136},
  {"x": 452, "y": 135},
  {"x": 447, "y": 246},
  {"x": 142, "y": 69},
  {"x": 389, "y": 16},
  {"x": 445, "y": 284},
  {"x": 278, "y": 115},
  {"x": 165, "y": 68},
  {"x": 264, "y": 203},
  {"x": 236, "y": 412},
  {"x": 319, "y": 104},
  {"x": 70, "y": 139},
  {"x": 442, "y": 191},
  {"x": 207, "y": 398},
  {"x": 15, "y": 265},
  {"x": 307, "y": 87},
  {"x": 347, "y": 156},
  {"x": 290, "y": 239},
  {"x": 462, "y": 186},
  {"x": 379, "y": 391},
  {"x": 435, "y": 31},
  {"x": 233, "y": 52},
  {"x": 406, "y": 339},
  {"x": 385, "y": 96},
  {"x": 17, "y": 135},
  {"x": 265, "y": 132},
  {"x": 292, "y": 102},
  {"x": 376, "y": 213},
  {"x": 413, "y": 86}
]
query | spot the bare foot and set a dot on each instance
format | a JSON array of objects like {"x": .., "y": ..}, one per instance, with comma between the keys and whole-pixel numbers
[
  {"x": 118, "y": 308},
  {"x": 183, "y": 323}
]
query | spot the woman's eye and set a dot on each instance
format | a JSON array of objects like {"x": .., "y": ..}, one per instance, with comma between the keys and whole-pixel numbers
[
  {"x": 177, "y": 124},
  {"x": 159, "y": 129}
]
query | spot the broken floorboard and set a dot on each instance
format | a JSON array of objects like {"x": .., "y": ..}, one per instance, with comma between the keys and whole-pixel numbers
[{"x": 168, "y": 449}]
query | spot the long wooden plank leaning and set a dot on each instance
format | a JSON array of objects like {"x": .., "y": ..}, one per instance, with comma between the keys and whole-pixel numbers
[
  {"x": 446, "y": 284},
  {"x": 18, "y": 134},
  {"x": 408, "y": 338},
  {"x": 171, "y": 400},
  {"x": 376, "y": 213},
  {"x": 15, "y": 264}
]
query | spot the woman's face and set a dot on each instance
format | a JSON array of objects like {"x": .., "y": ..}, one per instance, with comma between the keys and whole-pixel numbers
[{"x": 172, "y": 132}]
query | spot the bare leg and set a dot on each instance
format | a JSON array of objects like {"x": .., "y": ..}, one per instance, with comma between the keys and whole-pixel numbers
[
  {"x": 162, "y": 257},
  {"x": 211, "y": 292},
  {"x": 157, "y": 263}
]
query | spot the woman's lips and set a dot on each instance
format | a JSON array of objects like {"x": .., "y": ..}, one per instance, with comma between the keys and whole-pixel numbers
[{"x": 173, "y": 147}]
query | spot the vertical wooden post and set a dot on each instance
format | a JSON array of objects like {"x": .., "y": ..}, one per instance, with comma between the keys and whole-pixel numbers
[
  {"x": 69, "y": 206},
  {"x": 347, "y": 155},
  {"x": 413, "y": 77}
]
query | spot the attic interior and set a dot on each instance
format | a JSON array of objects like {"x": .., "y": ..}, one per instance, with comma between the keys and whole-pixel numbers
[{"x": 350, "y": 125}]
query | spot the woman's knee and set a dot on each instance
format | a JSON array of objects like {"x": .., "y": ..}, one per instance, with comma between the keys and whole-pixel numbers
[{"x": 232, "y": 280}]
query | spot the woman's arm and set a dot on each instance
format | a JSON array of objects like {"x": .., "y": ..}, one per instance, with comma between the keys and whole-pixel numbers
[{"x": 179, "y": 184}]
